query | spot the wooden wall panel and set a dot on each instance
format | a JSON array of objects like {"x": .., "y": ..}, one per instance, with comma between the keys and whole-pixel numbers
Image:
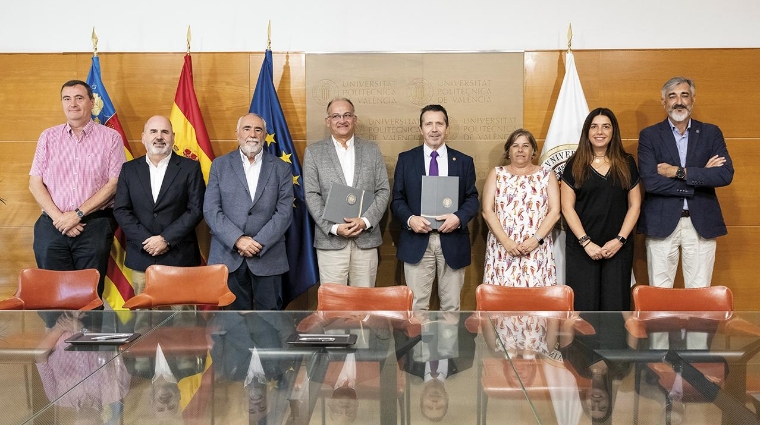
[
  {"x": 30, "y": 90},
  {"x": 627, "y": 81}
]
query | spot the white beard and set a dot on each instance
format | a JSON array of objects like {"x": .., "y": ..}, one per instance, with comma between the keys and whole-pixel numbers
[{"x": 679, "y": 115}]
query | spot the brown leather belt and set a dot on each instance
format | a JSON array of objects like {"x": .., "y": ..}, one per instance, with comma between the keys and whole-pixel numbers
[{"x": 685, "y": 213}]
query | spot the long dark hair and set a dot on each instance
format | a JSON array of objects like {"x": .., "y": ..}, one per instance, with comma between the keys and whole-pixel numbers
[{"x": 617, "y": 156}]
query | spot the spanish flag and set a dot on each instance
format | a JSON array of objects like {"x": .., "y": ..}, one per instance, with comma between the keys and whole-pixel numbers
[
  {"x": 190, "y": 136},
  {"x": 118, "y": 283}
]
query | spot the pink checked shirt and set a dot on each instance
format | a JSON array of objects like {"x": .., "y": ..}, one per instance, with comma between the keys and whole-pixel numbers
[{"x": 74, "y": 170}]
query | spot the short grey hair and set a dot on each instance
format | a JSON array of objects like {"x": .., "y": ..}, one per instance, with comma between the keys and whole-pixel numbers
[
  {"x": 255, "y": 115},
  {"x": 671, "y": 83}
]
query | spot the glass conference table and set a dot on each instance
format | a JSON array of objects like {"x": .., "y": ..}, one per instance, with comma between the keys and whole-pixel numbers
[{"x": 382, "y": 367}]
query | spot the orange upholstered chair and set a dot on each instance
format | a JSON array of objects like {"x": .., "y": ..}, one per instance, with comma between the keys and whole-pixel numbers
[
  {"x": 168, "y": 285},
  {"x": 686, "y": 309},
  {"x": 508, "y": 298},
  {"x": 392, "y": 306},
  {"x": 546, "y": 301},
  {"x": 40, "y": 289},
  {"x": 332, "y": 297}
]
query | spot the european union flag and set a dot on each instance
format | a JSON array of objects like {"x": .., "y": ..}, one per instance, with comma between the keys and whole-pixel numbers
[{"x": 299, "y": 238}]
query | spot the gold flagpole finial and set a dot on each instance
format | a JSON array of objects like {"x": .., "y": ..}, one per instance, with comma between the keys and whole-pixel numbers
[
  {"x": 189, "y": 38},
  {"x": 94, "y": 42},
  {"x": 570, "y": 38},
  {"x": 269, "y": 35}
]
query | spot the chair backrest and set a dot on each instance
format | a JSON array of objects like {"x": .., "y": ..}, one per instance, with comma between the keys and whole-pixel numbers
[
  {"x": 169, "y": 285},
  {"x": 335, "y": 297},
  {"x": 712, "y": 298},
  {"x": 507, "y": 298},
  {"x": 40, "y": 289}
]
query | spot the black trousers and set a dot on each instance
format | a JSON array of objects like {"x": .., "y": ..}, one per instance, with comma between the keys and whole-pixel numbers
[
  {"x": 254, "y": 292},
  {"x": 599, "y": 285},
  {"x": 89, "y": 250}
]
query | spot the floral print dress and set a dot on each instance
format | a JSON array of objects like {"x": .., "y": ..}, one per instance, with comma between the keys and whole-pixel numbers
[{"x": 521, "y": 204}]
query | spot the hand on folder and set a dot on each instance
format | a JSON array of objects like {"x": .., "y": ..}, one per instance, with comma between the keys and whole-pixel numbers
[
  {"x": 421, "y": 224},
  {"x": 450, "y": 223},
  {"x": 352, "y": 227}
]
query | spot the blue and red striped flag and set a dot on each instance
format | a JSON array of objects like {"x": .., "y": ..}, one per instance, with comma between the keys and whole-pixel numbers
[
  {"x": 118, "y": 283},
  {"x": 299, "y": 238}
]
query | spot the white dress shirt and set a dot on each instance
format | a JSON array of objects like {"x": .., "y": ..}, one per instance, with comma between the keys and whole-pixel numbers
[
  {"x": 252, "y": 171},
  {"x": 347, "y": 159},
  {"x": 157, "y": 173}
]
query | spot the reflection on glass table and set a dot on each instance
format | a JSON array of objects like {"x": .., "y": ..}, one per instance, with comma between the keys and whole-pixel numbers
[
  {"x": 48, "y": 379},
  {"x": 618, "y": 374},
  {"x": 238, "y": 368}
]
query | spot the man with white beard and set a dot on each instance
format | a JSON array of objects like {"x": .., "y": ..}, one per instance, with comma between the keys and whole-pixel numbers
[
  {"x": 158, "y": 203},
  {"x": 248, "y": 207},
  {"x": 681, "y": 162}
]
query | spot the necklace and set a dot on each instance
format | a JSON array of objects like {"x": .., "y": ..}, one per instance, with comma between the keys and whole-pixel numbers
[{"x": 600, "y": 158}]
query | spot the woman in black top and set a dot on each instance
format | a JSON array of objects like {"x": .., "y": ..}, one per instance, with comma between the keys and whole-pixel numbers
[{"x": 600, "y": 201}]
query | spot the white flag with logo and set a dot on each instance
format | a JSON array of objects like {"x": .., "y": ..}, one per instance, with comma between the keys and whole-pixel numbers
[{"x": 562, "y": 140}]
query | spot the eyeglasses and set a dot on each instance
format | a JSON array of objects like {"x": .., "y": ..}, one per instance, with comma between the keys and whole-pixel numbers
[{"x": 337, "y": 117}]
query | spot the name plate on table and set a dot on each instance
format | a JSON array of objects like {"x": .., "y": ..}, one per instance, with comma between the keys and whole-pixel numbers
[
  {"x": 440, "y": 195},
  {"x": 346, "y": 202}
]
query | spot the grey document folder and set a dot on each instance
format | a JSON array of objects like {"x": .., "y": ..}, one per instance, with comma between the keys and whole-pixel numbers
[
  {"x": 440, "y": 195},
  {"x": 346, "y": 202}
]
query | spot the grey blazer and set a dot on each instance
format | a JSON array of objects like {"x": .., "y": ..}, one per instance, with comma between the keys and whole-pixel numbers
[
  {"x": 230, "y": 213},
  {"x": 322, "y": 167}
]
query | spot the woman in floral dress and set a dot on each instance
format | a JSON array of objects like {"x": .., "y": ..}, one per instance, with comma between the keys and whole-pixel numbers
[{"x": 521, "y": 205}]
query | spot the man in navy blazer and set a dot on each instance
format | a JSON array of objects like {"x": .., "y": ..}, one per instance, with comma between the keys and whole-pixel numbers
[
  {"x": 158, "y": 203},
  {"x": 446, "y": 251},
  {"x": 248, "y": 207},
  {"x": 681, "y": 162}
]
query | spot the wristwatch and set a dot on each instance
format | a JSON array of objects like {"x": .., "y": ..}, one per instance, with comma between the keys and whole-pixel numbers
[
  {"x": 681, "y": 173},
  {"x": 79, "y": 212},
  {"x": 621, "y": 239},
  {"x": 540, "y": 240}
]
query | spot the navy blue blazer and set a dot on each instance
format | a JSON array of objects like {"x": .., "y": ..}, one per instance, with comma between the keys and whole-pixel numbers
[
  {"x": 174, "y": 215},
  {"x": 407, "y": 192},
  {"x": 663, "y": 199}
]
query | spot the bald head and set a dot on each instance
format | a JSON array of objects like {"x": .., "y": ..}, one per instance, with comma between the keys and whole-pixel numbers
[{"x": 158, "y": 138}]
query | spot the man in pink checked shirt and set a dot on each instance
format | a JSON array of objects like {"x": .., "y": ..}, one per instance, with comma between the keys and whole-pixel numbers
[{"x": 73, "y": 178}]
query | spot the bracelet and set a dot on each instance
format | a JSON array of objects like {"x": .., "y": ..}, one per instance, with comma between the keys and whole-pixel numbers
[
  {"x": 585, "y": 244},
  {"x": 584, "y": 238}
]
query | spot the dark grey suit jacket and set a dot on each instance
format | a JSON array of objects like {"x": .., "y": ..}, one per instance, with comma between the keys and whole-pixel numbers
[
  {"x": 322, "y": 167},
  {"x": 230, "y": 213},
  {"x": 174, "y": 215}
]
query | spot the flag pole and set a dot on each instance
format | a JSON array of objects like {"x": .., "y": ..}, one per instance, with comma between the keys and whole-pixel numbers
[
  {"x": 269, "y": 35},
  {"x": 94, "y": 42},
  {"x": 189, "y": 38},
  {"x": 570, "y": 38}
]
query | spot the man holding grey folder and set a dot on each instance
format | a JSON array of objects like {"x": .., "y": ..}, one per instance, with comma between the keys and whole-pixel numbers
[
  {"x": 434, "y": 245},
  {"x": 345, "y": 175}
]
